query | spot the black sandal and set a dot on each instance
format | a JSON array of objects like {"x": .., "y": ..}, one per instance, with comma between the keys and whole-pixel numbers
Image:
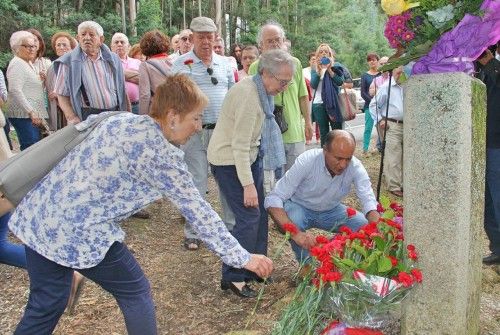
[{"x": 191, "y": 244}]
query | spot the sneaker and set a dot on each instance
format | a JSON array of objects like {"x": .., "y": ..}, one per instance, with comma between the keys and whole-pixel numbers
[{"x": 142, "y": 214}]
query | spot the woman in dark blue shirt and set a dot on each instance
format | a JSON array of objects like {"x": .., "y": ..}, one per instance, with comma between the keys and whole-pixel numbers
[{"x": 366, "y": 80}]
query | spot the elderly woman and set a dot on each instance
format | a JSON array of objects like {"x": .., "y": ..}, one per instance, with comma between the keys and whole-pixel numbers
[
  {"x": 154, "y": 45},
  {"x": 327, "y": 77},
  {"x": 62, "y": 43},
  {"x": 40, "y": 62},
  {"x": 26, "y": 101},
  {"x": 71, "y": 219},
  {"x": 246, "y": 134}
]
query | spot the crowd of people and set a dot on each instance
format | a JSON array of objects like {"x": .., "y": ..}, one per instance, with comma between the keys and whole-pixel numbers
[{"x": 192, "y": 111}]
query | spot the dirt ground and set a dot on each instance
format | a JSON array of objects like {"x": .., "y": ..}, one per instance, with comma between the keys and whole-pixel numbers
[{"x": 185, "y": 284}]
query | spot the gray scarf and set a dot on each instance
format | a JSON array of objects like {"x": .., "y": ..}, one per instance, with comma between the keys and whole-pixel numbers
[{"x": 271, "y": 141}]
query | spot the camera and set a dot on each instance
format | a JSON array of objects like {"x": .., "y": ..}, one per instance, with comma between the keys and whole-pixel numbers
[{"x": 325, "y": 60}]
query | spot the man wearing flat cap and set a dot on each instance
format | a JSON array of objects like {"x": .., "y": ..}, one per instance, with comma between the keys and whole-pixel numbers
[{"x": 214, "y": 76}]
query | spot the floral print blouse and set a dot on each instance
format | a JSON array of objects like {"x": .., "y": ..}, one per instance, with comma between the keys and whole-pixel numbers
[{"x": 73, "y": 215}]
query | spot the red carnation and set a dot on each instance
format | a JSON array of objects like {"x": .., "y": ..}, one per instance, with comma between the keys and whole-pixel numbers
[
  {"x": 345, "y": 229},
  {"x": 380, "y": 209},
  {"x": 290, "y": 228},
  {"x": 405, "y": 279},
  {"x": 333, "y": 276},
  {"x": 410, "y": 247},
  {"x": 188, "y": 62},
  {"x": 350, "y": 212},
  {"x": 394, "y": 260},
  {"x": 321, "y": 239},
  {"x": 412, "y": 255},
  {"x": 417, "y": 275}
]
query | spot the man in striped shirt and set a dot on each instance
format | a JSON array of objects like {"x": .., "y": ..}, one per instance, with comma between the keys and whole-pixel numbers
[
  {"x": 214, "y": 76},
  {"x": 90, "y": 79}
]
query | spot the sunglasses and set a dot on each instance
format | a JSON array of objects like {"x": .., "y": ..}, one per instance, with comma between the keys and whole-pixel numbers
[{"x": 210, "y": 72}]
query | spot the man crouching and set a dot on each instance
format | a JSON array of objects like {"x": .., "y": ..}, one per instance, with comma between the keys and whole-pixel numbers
[{"x": 310, "y": 193}]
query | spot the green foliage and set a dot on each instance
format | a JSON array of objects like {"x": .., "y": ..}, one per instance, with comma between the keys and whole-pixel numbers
[
  {"x": 352, "y": 28},
  {"x": 149, "y": 16},
  {"x": 433, "y": 4}
]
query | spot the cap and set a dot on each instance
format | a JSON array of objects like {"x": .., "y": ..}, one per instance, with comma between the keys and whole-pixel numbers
[{"x": 203, "y": 24}]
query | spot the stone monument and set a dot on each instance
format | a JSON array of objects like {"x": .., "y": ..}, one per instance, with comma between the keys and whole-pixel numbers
[{"x": 444, "y": 163}]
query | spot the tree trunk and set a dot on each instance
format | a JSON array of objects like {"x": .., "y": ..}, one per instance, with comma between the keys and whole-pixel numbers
[
  {"x": 184, "y": 13},
  {"x": 123, "y": 15},
  {"x": 199, "y": 7},
  {"x": 78, "y": 5},
  {"x": 218, "y": 15},
  {"x": 132, "y": 15}
]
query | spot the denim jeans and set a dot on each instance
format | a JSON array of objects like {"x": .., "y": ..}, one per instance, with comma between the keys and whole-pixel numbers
[
  {"x": 118, "y": 273},
  {"x": 492, "y": 199},
  {"x": 10, "y": 253},
  {"x": 330, "y": 220},
  {"x": 251, "y": 228},
  {"x": 26, "y": 132}
]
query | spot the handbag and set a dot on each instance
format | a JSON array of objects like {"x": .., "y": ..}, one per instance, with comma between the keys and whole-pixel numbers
[
  {"x": 21, "y": 173},
  {"x": 280, "y": 117},
  {"x": 347, "y": 104}
]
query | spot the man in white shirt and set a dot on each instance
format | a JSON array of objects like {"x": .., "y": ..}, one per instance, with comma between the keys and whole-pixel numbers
[
  {"x": 310, "y": 193},
  {"x": 393, "y": 125}
]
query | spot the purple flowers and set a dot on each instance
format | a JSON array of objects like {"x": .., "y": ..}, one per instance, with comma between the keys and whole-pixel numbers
[{"x": 397, "y": 30}]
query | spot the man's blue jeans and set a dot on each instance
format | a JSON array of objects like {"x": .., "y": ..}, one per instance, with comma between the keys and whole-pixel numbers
[
  {"x": 118, "y": 273},
  {"x": 330, "y": 220},
  {"x": 492, "y": 199}
]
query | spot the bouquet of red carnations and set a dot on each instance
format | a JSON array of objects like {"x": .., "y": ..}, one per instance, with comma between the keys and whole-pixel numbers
[
  {"x": 368, "y": 272},
  {"x": 359, "y": 277}
]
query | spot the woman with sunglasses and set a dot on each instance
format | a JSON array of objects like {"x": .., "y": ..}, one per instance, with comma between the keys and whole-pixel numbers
[
  {"x": 26, "y": 100},
  {"x": 326, "y": 79}
]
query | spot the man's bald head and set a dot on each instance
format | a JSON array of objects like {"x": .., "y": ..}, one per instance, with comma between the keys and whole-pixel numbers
[
  {"x": 339, "y": 137},
  {"x": 338, "y": 150}
]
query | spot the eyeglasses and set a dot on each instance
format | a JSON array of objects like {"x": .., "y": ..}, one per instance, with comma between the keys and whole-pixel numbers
[
  {"x": 210, "y": 72},
  {"x": 283, "y": 83},
  {"x": 29, "y": 46}
]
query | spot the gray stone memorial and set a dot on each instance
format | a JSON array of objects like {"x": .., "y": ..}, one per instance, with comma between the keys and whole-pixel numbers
[{"x": 444, "y": 162}]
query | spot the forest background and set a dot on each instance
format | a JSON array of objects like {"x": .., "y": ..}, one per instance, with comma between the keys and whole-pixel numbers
[{"x": 351, "y": 27}]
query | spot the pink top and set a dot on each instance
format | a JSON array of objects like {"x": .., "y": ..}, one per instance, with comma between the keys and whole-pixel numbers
[{"x": 132, "y": 89}]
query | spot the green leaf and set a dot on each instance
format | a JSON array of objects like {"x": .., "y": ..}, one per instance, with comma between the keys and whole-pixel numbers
[
  {"x": 385, "y": 201},
  {"x": 379, "y": 242},
  {"x": 348, "y": 262},
  {"x": 384, "y": 264},
  {"x": 360, "y": 249},
  {"x": 388, "y": 214}
]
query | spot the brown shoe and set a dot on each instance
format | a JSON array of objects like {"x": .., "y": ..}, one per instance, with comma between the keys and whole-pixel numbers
[
  {"x": 142, "y": 214},
  {"x": 397, "y": 193},
  {"x": 76, "y": 290}
]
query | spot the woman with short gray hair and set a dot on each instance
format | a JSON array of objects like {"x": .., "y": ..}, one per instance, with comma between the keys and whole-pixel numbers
[
  {"x": 26, "y": 100},
  {"x": 245, "y": 139}
]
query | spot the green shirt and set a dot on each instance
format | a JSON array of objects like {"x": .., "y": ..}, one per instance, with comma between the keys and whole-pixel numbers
[{"x": 296, "y": 90}]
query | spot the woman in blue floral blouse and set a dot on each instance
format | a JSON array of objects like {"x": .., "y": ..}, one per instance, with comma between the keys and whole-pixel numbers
[{"x": 71, "y": 219}]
